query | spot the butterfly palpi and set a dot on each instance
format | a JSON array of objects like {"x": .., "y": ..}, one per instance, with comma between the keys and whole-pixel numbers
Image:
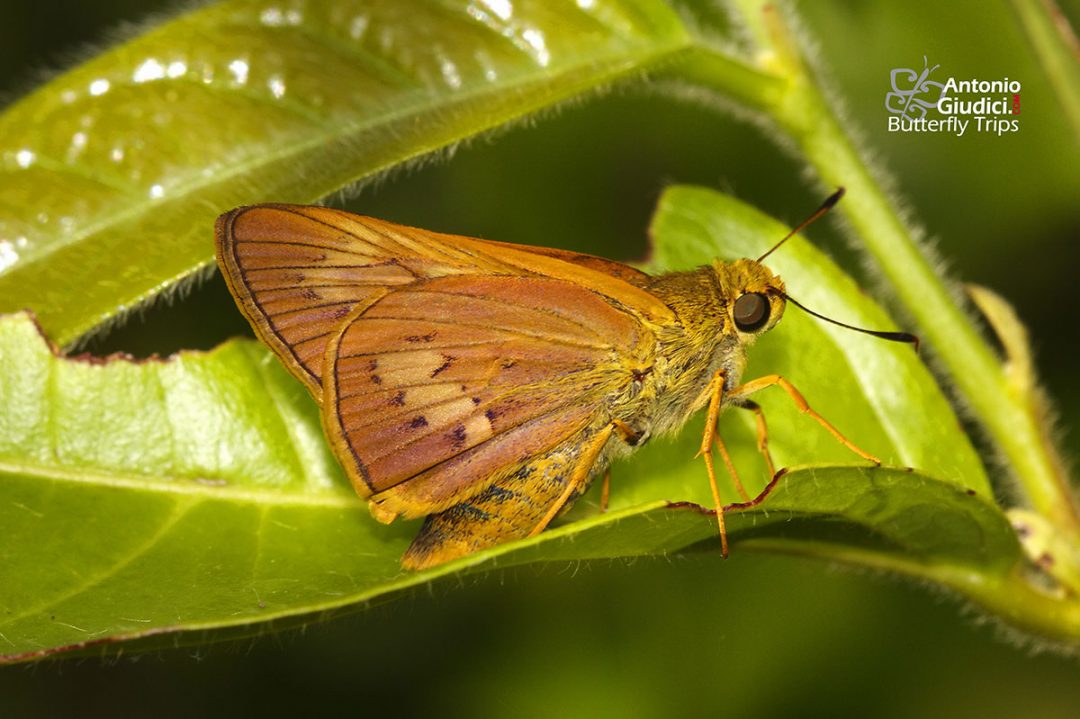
[{"x": 484, "y": 385}]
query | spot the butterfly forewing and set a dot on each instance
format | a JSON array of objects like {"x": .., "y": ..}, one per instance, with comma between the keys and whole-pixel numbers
[
  {"x": 298, "y": 271},
  {"x": 297, "y": 278},
  {"x": 429, "y": 411}
]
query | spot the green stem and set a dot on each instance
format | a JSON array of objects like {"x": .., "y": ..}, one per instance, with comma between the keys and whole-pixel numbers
[
  {"x": 1056, "y": 47},
  {"x": 1017, "y": 600},
  {"x": 1021, "y": 603},
  {"x": 808, "y": 117},
  {"x": 711, "y": 67},
  {"x": 804, "y": 112}
]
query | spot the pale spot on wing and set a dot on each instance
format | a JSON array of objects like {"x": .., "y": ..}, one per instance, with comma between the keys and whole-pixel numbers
[
  {"x": 421, "y": 360},
  {"x": 383, "y": 406},
  {"x": 400, "y": 369},
  {"x": 477, "y": 429},
  {"x": 419, "y": 397},
  {"x": 445, "y": 414}
]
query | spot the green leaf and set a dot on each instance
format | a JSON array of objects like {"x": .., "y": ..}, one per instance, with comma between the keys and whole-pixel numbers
[
  {"x": 112, "y": 174},
  {"x": 196, "y": 493}
]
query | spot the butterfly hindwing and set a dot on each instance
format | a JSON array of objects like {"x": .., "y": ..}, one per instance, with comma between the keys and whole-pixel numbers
[
  {"x": 440, "y": 387},
  {"x": 508, "y": 508}
]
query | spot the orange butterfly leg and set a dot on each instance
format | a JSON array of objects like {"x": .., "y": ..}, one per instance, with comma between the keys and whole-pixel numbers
[
  {"x": 631, "y": 437},
  {"x": 762, "y": 434},
  {"x": 800, "y": 402},
  {"x": 578, "y": 476},
  {"x": 716, "y": 391},
  {"x": 719, "y": 442}
]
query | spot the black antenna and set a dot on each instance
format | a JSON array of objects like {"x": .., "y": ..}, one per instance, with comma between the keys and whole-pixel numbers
[
  {"x": 890, "y": 336},
  {"x": 825, "y": 207},
  {"x": 880, "y": 334}
]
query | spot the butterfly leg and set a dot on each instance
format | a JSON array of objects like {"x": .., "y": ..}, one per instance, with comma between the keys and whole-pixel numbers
[
  {"x": 719, "y": 442},
  {"x": 761, "y": 383},
  {"x": 578, "y": 476},
  {"x": 762, "y": 495},
  {"x": 716, "y": 396},
  {"x": 762, "y": 433},
  {"x": 633, "y": 438}
]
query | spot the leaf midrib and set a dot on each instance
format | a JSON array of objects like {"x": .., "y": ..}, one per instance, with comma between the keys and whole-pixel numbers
[{"x": 183, "y": 486}]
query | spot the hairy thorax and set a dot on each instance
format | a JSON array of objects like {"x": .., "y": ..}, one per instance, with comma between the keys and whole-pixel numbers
[{"x": 690, "y": 351}]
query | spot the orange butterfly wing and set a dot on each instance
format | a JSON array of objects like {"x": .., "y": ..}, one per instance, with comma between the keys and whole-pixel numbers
[
  {"x": 449, "y": 360},
  {"x": 443, "y": 387},
  {"x": 298, "y": 271}
]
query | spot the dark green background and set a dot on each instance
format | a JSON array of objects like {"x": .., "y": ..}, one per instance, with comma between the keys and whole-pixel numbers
[{"x": 756, "y": 635}]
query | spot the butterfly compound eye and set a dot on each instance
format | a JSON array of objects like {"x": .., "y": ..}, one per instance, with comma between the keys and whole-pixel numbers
[{"x": 751, "y": 311}]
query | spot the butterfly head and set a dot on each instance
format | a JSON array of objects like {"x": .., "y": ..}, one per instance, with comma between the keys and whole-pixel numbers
[{"x": 755, "y": 295}]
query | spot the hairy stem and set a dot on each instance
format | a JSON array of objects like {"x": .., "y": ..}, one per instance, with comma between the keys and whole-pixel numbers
[
  {"x": 1012, "y": 597},
  {"x": 1011, "y": 418},
  {"x": 1055, "y": 45}
]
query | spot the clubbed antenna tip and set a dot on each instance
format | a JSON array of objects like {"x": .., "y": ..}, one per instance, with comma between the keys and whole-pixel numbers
[
  {"x": 880, "y": 334},
  {"x": 832, "y": 199}
]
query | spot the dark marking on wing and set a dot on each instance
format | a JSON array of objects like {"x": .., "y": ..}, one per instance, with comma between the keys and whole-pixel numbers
[
  {"x": 447, "y": 361},
  {"x": 458, "y": 436}
]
